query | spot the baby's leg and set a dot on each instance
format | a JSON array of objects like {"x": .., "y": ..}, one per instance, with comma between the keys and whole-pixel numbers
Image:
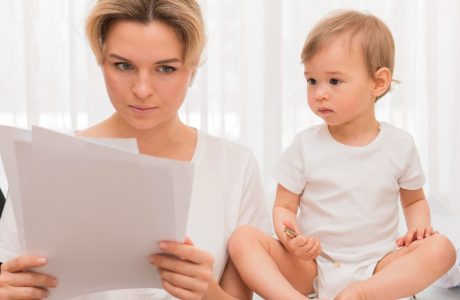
[
  {"x": 268, "y": 268},
  {"x": 406, "y": 271}
]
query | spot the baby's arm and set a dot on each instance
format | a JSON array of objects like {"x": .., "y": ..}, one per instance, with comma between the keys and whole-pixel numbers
[
  {"x": 285, "y": 210},
  {"x": 417, "y": 214},
  {"x": 285, "y": 215}
]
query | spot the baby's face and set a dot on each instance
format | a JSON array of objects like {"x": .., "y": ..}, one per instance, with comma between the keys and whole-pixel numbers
[{"x": 339, "y": 88}]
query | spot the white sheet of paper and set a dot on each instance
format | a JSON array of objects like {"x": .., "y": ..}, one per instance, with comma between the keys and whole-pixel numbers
[
  {"x": 98, "y": 212},
  {"x": 8, "y": 137},
  {"x": 122, "y": 144}
]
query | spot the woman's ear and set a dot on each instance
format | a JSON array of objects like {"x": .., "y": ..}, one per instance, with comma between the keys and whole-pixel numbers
[
  {"x": 192, "y": 78},
  {"x": 382, "y": 81}
]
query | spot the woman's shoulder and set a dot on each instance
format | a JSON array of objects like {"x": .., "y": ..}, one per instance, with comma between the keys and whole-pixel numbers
[
  {"x": 224, "y": 149},
  {"x": 96, "y": 131}
]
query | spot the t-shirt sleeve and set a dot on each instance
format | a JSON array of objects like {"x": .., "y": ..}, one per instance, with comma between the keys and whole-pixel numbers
[
  {"x": 9, "y": 242},
  {"x": 412, "y": 177},
  {"x": 290, "y": 169},
  {"x": 253, "y": 208}
]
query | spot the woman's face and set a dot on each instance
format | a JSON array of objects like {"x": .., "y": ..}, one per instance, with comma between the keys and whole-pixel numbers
[{"x": 144, "y": 73}]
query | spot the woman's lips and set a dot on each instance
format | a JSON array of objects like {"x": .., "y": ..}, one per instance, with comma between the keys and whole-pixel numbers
[{"x": 142, "y": 110}]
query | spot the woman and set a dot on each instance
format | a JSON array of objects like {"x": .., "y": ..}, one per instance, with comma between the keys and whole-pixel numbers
[{"x": 149, "y": 52}]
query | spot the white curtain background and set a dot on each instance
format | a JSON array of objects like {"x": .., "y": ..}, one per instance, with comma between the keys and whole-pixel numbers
[{"x": 251, "y": 89}]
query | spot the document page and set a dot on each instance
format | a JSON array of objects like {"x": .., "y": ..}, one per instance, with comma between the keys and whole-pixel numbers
[{"x": 97, "y": 212}]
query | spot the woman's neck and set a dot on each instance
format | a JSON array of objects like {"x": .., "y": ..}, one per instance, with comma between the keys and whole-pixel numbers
[{"x": 171, "y": 139}]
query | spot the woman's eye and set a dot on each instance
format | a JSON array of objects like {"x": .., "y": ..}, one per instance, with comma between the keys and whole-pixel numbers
[
  {"x": 311, "y": 81},
  {"x": 334, "y": 81},
  {"x": 167, "y": 69},
  {"x": 124, "y": 66}
]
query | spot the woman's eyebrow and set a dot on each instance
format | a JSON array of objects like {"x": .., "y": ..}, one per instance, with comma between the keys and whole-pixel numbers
[
  {"x": 116, "y": 56},
  {"x": 163, "y": 61},
  {"x": 168, "y": 61}
]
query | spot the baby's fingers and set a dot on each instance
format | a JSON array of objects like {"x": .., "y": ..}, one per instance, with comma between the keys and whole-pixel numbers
[
  {"x": 400, "y": 241},
  {"x": 422, "y": 232},
  {"x": 429, "y": 231},
  {"x": 312, "y": 249},
  {"x": 410, "y": 237}
]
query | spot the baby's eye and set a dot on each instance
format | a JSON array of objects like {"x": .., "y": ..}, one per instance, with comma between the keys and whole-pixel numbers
[
  {"x": 167, "y": 69},
  {"x": 335, "y": 81},
  {"x": 311, "y": 81},
  {"x": 123, "y": 66}
]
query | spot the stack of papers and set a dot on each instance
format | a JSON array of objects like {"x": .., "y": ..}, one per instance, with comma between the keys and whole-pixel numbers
[{"x": 95, "y": 208}]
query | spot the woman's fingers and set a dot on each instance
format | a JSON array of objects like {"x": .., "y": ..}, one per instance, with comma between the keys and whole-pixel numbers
[
  {"x": 174, "y": 264},
  {"x": 30, "y": 279},
  {"x": 183, "y": 281},
  {"x": 178, "y": 292},
  {"x": 23, "y": 263},
  {"x": 185, "y": 271},
  {"x": 184, "y": 259},
  {"x": 18, "y": 281},
  {"x": 187, "y": 252},
  {"x": 28, "y": 293},
  {"x": 188, "y": 241}
]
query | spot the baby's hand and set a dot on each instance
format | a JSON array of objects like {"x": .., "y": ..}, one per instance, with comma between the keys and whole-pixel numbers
[
  {"x": 412, "y": 235},
  {"x": 303, "y": 247}
]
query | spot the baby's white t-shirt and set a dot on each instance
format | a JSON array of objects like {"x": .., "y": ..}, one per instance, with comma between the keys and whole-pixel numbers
[{"x": 349, "y": 195}]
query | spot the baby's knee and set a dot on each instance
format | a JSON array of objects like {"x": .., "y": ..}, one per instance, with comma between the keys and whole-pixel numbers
[
  {"x": 442, "y": 250},
  {"x": 242, "y": 238}
]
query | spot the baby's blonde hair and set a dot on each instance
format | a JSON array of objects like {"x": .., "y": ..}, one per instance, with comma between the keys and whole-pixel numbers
[
  {"x": 375, "y": 38},
  {"x": 182, "y": 16}
]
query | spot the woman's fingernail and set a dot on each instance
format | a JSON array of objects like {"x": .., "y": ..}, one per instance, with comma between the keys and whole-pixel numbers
[
  {"x": 163, "y": 246},
  {"x": 41, "y": 260},
  {"x": 54, "y": 282}
]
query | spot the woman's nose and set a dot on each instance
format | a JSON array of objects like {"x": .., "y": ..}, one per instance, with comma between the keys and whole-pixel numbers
[{"x": 143, "y": 87}]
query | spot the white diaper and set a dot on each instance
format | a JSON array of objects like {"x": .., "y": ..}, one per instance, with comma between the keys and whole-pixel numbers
[{"x": 331, "y": 279}]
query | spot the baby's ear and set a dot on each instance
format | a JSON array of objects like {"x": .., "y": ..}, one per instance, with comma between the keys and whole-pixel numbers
[{"x": 382, "y": 81}]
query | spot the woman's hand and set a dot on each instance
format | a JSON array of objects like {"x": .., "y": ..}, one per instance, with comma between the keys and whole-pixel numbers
[
  {"x": 18, "y": 281},
  {"x": 303, "y": 247},
  {"x": 185, "y": 271},
  {"x": 412, "y": 235}
]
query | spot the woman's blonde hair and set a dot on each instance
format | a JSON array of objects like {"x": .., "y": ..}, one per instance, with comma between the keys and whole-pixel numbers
[
  {"x": 375, "y": 38},
  {"x": 182, "y": 16}
]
